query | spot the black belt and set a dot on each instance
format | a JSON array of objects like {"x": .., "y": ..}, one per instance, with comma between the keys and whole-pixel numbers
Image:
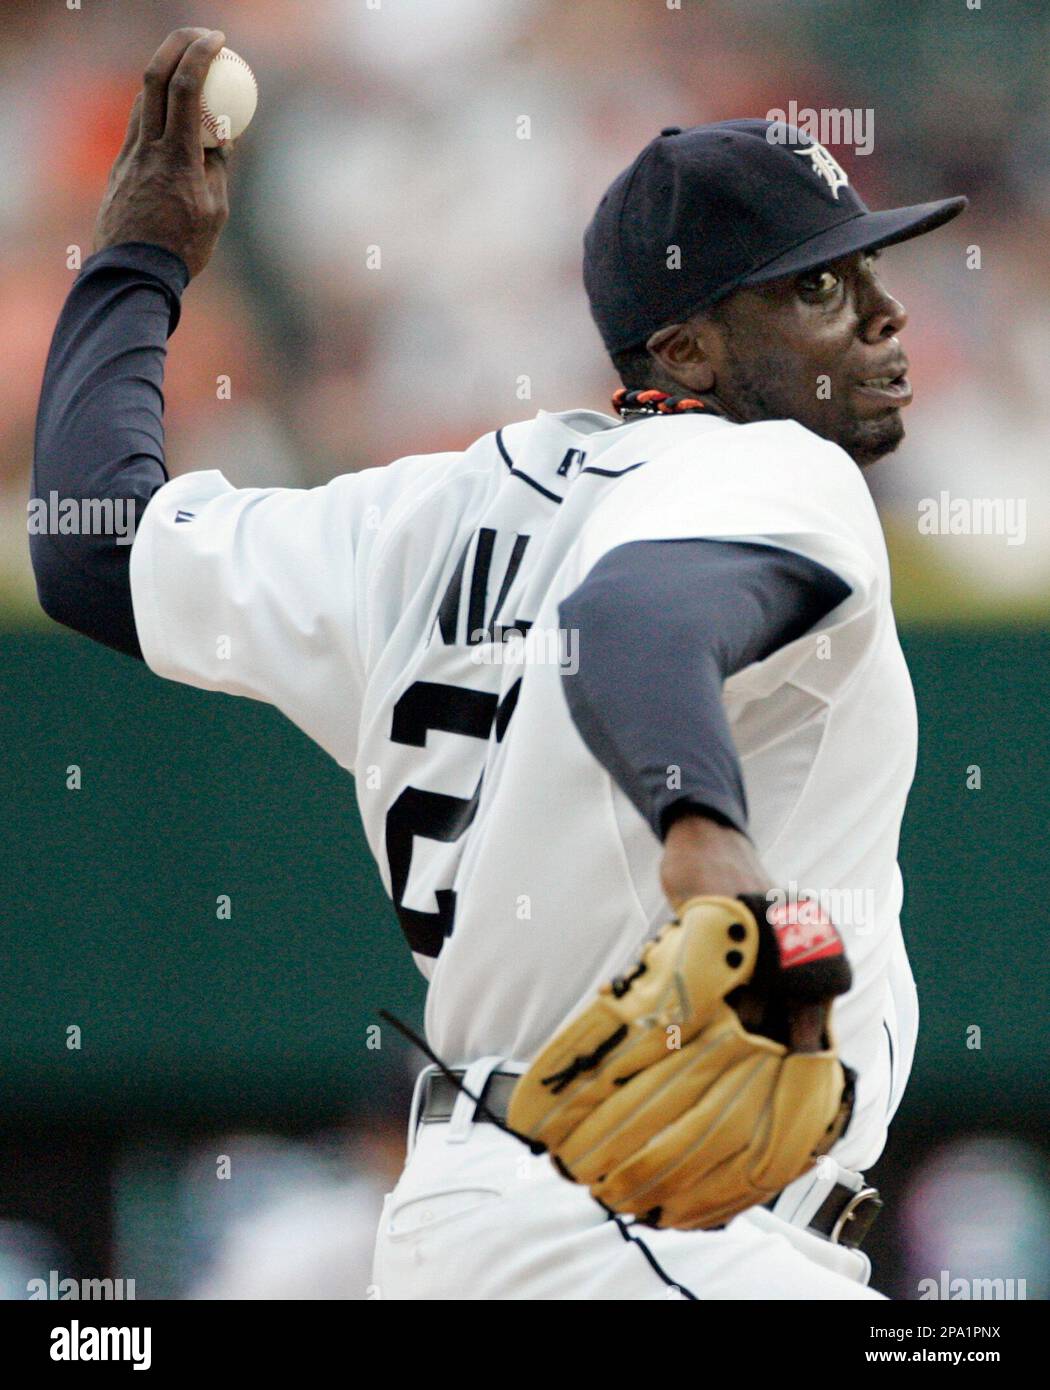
[
  {"x": 844, "y": 1217},
  {"x": 440, "y": 1096}
]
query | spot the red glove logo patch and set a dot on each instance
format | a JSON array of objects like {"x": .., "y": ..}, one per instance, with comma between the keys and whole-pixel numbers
[{"x": 804, "y": 932}]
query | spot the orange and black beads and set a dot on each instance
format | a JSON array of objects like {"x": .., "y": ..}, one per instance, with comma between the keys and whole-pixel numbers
[{"x": 651, "y": 402}]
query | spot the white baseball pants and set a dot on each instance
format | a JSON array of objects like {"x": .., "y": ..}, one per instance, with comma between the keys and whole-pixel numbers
[{"x": 475, "y": 1216}]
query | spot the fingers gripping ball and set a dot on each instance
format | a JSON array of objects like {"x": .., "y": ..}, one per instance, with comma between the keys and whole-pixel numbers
[
  {"x": 228, "y": 99},
  {"x": 661, "y": 1101}
]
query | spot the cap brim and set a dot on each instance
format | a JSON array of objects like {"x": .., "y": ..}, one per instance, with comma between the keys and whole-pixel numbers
[{"x": 868, "y": 231}]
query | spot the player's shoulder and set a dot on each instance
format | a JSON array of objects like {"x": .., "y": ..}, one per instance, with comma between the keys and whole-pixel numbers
[
  {"x": 788, "y": 442},
  {"x": 772, "y": 481},
  {"x": 771, "y": 451},
  {"x": 769, "y": 466},
  {"x": 713, "y": 454}
]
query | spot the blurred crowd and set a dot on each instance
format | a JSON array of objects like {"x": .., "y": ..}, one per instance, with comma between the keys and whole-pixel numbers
[
  {"x": 252, "y": 1216},
  {"x": 401, "y": 269}
]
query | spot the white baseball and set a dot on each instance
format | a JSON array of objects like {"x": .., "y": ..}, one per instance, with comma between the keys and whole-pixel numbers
[{"x": 228, "y": 99}]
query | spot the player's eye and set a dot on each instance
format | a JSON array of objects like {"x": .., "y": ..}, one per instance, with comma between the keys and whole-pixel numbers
[{"x": 818, "y": 283}]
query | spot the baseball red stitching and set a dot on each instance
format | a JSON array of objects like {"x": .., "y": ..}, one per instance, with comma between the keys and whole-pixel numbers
[{"x": 208, "y": 120}]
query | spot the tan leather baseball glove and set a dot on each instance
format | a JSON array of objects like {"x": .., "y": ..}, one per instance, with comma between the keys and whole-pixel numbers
[{"x": 663, "y": 1102}]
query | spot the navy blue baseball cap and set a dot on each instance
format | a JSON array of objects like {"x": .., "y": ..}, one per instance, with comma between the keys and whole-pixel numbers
[{"x": 704, "y": 211}]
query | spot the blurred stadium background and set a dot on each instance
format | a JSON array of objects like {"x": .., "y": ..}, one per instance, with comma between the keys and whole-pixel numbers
[{"x": 253, "y": 1038}]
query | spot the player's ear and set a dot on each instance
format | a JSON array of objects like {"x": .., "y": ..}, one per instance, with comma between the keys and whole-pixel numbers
[{"x": 684, "y": 352}]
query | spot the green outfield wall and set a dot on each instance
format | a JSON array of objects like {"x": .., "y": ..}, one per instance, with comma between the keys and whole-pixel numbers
[{"x": 110, "y": 894}]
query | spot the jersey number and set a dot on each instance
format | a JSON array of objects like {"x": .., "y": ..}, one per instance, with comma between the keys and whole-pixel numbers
[{"x": 424, "y": 706}]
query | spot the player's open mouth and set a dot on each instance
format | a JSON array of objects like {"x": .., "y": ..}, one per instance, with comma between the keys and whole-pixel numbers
[{"x": 891, "y": 390}]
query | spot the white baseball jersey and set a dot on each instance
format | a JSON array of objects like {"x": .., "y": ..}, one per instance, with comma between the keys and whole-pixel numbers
[{"x": 406, "y": 618}]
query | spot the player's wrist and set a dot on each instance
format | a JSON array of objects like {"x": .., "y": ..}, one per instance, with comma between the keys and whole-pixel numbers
[{"x": 704, "y": 858}]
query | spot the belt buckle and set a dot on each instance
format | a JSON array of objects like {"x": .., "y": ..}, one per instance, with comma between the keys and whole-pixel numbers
[{"x": 853, "y": 1223}]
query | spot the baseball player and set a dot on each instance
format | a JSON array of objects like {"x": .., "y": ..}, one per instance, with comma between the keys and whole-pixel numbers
[{"x": 622, "y": 696}]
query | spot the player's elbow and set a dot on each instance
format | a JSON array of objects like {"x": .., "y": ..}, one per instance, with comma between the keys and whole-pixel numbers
[
  {"x": 73, "y": 592},
  {"x": 53, "y": 590}
]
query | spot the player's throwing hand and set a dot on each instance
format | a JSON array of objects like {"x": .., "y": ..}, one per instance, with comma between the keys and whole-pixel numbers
[{"x": 165, "y": 187}]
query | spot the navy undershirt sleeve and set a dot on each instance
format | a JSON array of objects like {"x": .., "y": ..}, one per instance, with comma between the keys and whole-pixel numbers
[
  {"x": 99, "y": 448},
  {"x": 660, "y": 625}
]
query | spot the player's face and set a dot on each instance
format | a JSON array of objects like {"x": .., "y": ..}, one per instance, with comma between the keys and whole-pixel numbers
[{"x": 820, "y": 348}]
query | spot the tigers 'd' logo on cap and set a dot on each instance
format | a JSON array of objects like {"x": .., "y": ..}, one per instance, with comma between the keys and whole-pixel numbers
[
  {"x": 804, "y": 932},
  {"x": 825, "y": 166}
]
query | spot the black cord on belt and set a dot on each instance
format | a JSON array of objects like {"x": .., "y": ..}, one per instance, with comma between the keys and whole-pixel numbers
[{"x": 534, "y": 1147}]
